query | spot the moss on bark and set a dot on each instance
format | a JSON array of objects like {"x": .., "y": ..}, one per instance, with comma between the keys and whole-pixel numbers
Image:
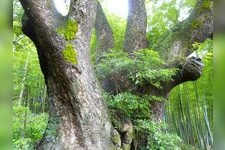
[
  {"x": 69, "y": 30},
  {"x": 70, "y": 54}
]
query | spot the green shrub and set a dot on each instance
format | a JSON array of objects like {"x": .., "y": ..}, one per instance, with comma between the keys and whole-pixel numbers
[
  {"x": 142, "y": 66},
  {"x": 22, "y": 144},
  {"x": 157, "y": 136},
  {"x": 130, "y": 105},
  {"x": 28, "y": 128}
]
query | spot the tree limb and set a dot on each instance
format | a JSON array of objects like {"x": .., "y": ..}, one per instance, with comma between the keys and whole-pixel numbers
[
  {"x": 105, "y": 39},
  {"x": 135, "y": 37},
  {"x": 177, "y": 42}
]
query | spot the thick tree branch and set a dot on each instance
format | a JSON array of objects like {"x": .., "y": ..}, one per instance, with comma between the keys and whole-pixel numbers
[
  {"x": 105, "y": 39},
  {"x": 177, "y": 42},
  {"x": 135, "y": 37},
  {"x": 188, "y": 70}
]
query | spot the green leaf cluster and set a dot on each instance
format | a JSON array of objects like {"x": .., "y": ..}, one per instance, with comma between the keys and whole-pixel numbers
[
  {"x": 158, "y": 138},
  {"x": 118, "y": 26},
  {"x": 130, "y": 105},
  {"x": 28, "y": 128},
  {"x": 26, "y": 70},
  {"x": 142, "y": 66},
  {"x": 164, "y": 15}
]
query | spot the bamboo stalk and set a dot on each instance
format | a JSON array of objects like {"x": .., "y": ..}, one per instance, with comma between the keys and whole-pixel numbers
[{"x": 24, "y": 79}]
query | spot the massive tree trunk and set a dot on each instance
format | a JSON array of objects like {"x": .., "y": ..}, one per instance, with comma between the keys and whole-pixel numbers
[
  {"x": 135, "y": 37},
  {"x": 78, "y": 115}
]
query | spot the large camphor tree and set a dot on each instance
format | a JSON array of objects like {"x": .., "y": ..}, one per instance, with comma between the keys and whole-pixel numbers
[{"x": 78, "y": 116}]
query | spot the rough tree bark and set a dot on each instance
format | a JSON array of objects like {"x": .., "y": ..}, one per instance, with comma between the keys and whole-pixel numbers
[
  {"x": 105, "y": 39},
  {"x": 135, "y": 37},
  {"x": 78, "y": 115}
]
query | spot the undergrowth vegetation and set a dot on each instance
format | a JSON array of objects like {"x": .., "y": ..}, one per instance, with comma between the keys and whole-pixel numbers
[
  {"x": 137, "y": 108},
  {"x": 28, "y": 128}
]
